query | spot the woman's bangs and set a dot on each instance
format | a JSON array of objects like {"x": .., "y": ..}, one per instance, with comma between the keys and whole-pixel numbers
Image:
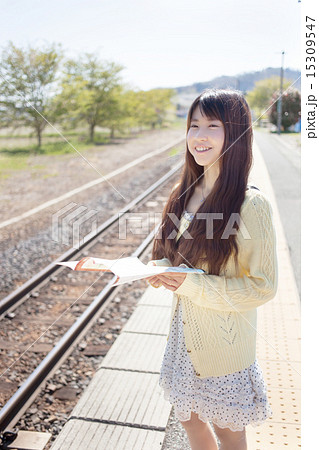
[{"x": 209, "y": 109}]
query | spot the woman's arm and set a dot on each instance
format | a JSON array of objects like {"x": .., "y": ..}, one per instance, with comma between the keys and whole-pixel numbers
[{"x": 258, "y": 257}]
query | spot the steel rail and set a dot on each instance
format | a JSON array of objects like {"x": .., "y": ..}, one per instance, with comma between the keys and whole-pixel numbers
[
  {"x": 12, "y": 300},
  {"x": 25, "y": 395}
]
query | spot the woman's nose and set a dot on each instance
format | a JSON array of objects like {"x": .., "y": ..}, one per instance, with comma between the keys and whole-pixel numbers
[{"x": 201, "y": 135}]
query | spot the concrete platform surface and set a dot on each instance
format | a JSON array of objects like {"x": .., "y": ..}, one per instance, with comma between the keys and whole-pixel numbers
[{"x": 123, "y": 407}]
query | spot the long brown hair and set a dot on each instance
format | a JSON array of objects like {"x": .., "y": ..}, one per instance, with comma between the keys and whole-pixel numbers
[{"x": 227, "y": 195}]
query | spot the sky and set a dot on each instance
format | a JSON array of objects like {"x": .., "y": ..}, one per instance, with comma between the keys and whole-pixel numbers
[{"x": 163, "y": 43}]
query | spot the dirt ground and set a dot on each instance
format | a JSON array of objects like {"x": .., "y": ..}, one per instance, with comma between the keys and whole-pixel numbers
[{"x": 48, "y": 177}]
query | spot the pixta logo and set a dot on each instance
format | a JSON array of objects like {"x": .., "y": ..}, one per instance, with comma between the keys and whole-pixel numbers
[
  {"x": 72, "y": 224},
  {"x": 137, "y": 223}
]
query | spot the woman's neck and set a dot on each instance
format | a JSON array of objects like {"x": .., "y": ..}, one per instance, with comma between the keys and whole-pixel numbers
[{"x": 208, "y": 179}]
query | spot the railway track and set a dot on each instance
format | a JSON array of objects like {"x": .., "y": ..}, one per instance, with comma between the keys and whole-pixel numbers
[
  {"x": 11, "y": 301},
  {"x": 40, "y": 314}
]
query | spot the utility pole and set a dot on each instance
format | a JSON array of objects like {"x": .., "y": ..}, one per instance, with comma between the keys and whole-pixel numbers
[{"x": 279, "y": 103}]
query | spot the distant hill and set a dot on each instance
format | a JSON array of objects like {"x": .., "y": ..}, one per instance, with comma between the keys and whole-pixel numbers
[{"x": 244, "y": 82}]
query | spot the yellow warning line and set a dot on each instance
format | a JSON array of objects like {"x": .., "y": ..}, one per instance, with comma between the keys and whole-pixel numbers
[{"x": 279, "y": 357}]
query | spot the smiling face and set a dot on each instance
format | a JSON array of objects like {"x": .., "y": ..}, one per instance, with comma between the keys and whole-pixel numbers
[{"x": 205, "y": 139}]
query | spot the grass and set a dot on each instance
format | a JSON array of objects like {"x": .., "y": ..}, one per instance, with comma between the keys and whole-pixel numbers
[
  {"x": 50, "y": 175},
  {"x": 19, "y": 157},
  {"x": 31, "y": 135},
  {"x": 178, "y": 123},
  {"x": 174, "y": 151},
  {"x": 47, "y": 148},
  {"x": 9, "y": 164},
  {"x": 38, "y": 167},
  {"x": 62, "y": 147},
  {"x": 16, "y": 152},
  {"x": 286, "y": 132}
]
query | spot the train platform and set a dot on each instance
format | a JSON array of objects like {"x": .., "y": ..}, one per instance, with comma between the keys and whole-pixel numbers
[{"x": 123, "y": 407}]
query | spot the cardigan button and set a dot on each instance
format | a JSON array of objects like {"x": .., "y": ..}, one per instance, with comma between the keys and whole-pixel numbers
[
  {"x": 188, "y": 351},
  {"x": 184, "y": 322},
  {"x": 197, "y": 374}
]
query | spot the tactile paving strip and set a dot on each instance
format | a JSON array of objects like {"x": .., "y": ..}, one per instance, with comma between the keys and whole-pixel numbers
[
  {"x": 274, "y": 436},
  {"x": 285, "y": 405},
  {"x": 279, "y": 349},
  {"x": 271, "y": 328},
  {"x": 282, "y": 310},
  {"x": 278, "y": 346},
  {"x": 281, "y": 374}
]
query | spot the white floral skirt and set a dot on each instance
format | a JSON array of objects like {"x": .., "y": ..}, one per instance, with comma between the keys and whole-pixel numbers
[{"x": 230, "y": 401}]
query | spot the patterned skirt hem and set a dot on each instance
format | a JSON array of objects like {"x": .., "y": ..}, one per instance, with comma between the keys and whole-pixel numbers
[{"x": 255, "y": 415}]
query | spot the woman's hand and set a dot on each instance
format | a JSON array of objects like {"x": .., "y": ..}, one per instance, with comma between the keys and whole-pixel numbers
[
  {"x": 171, "y": 281},
  {"x": 154, "y": 280}
]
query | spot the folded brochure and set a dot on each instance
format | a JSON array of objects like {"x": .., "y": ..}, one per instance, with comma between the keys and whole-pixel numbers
[{"x": 126, "y": 269}]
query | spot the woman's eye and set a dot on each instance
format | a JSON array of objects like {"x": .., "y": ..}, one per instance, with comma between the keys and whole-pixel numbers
[
  {"x": 193, "y": 126},
  {"x": 213, "y": 125}
]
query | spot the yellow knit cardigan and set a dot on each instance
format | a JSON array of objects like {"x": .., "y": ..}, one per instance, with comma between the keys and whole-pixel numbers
[{"x": 219, "y": 311}]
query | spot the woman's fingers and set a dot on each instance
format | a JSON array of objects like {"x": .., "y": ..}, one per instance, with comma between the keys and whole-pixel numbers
[
  {"x": 168, "y": 277},
  {"x": 154, "y": 281},
  {"x": 172, "y": 281},
  {"x": 167, "y": 285},
  {"x": 174, "y": 274},
  {"x": 151, "y": 279}
]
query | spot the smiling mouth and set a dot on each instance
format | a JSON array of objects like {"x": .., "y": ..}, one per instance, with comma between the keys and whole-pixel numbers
[{"x": 202, "y": 149}]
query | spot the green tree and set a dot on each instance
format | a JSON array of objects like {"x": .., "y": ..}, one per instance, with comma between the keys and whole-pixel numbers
[
  {"x": 27, "y": 84},
  {"x": 150, "y": 108},
  {"x": 119, "y": 111},
  {"x": 132, "y": 105},
  {"x": 89, "y": 92},
  {"x": 259, "y": 98},
  {"x": 291, "y": 108}
]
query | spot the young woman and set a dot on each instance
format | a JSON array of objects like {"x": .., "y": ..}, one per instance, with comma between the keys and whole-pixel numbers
[{"x": 209, "y": 371}]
